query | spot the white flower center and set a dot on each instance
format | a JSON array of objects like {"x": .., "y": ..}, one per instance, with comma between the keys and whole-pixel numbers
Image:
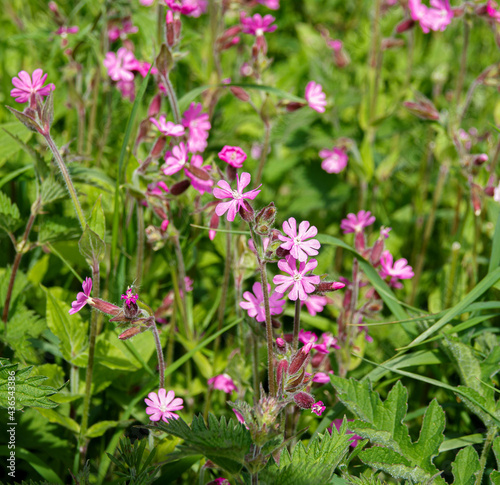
[
  {"x": 297, "y": 240},
  {"x": 236, "y": 195},
  {"x": 297, "y": 276}
]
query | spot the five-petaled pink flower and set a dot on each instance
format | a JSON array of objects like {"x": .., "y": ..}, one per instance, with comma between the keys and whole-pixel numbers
[
  {"x": 301, "y": 283},
  {"x": 237, "y": 196},
  {"x": 257, "y": 25},
  {"x": 161, "y": 405},
  {"x": 436, "y": 17},
  {"x": 83, "y": 297},
  {"x": 130, "y": 296},
  {"x": 168, "y": 128},
  {"x": 399, "y": 269},
  {"x": 222, "y": 382},
  {"x": 334, "y": 161},
  {"x": 255, "y": 302},
  {"x": 296, "y": 243},
  {"x": 315, "y": 97},
  {"x": 315, "y": 304},
  {"x": 234, "y": 156},
  {"x": 27, "y": 87},
  {"x": 318, "y": 408},
  {"x": 198, "y": 125},
  {"x": 357, "y": 222},
  {"x": 176, "y": 159},
  {"x": 120, "y": 65}
]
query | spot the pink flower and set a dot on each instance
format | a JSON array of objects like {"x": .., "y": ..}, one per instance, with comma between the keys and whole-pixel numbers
[
  {"x": 301, "y": 284},
  {"x": 334, "y": 161},
  {"x": 199, "y": 184},
  {"x": 234, "y": 156},
  {"x": 161, "y": 405},
  {"x": 191, "y": 8},
  {"x": 271, "y": 4},
  {"x": 239, "y": 417},
  {"x": 142, "y": 67},
  {"x": 338, "y": 423},
  {"x": 296, "y": 243},
  {"x": 255, "y": 302},
  {"x": 127, "y": 89},
  {"x": 220, "y": 481},
  {"x": 27, "y": 86},
  {"x": 315, "y": 304},
  {"x": 198, "y": 126},
  {"x": 146, "y": 3},
  {"x": 335, "y": 44},
  {"x": 83, "y": 297},
  {"x": 357, "y": 222},
  {"x": 64, "y": 31},
  {"x": 129, "y": 296},
  {"x": 322, "y": 377},
  {"x": 384, "y": 232},
  {"x": 437, "y": 17},
  {"x": 120, "y": 65},
  {"x": 496, "y": 193},
  {"x": 257, "y": 25},
  {"x": 492, "y": 10},
  {"x": 167, "y": 127},
  {"x": 115, "y": 33},
  {"x": 222, "y": 382},
  {"x": 307, "y": 337},
  {"x": 237, "y": 196},
  {"x": 176, "y": 159},
  {"x": 400, "y": 269},
  {"x": 329, "y": 341},
  {"x": 315, "y": 97},
  {"x": 318, "y": 408}
]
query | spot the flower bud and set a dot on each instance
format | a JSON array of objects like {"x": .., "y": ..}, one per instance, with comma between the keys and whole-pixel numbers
[
  {"x": 479, "y": 159},
  {"x": 359, "y": 241},
  {"x": 476, "y": 199},
  {"x": 282, "y": 253},
  {"x": 180, "y": 187},
  {"x": 489, "y": 191},
  {"x": 154, "y": 106},
  {"x": 391, "y": 43},
  {"x": 423, "y": 109},
  {"x": 131, "y": 309},
  {"x": 231, "y": 173},
  {"x": 327, "y": 286},
  {"x": 376, "y": 252},
  {"x": 281, "y": 372},
  {"x": 405, "y": 25},
  {"x": 303, "y": 400},
  {"x": 131, "y": 332},
  {"x": 214, "y": 224},
  {"x": 294, "y": 106},
  {"x": 246, "y": 212},
  {"x": 317, "y": 359},
  {"x": 240, "y": 93},
  {"x": 105, "y": 306},
  {"x": 170, "y": 29},
  {"x": 296, "y": 382},
  {"x": 299, "y": 359},
  {"x": 158, "y": 147},
  {"x": 280, "y": 345},
  {"x": 197, "y": 172},
  {"x": 267, "y": 215}
]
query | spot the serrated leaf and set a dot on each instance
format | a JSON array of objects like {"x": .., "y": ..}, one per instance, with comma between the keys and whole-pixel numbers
[
  {"x": 24, "y": 326},
  {"x": 69, "y": 329},
  {"x": 29, "y": 391},
  {"x": 58, "y": 228},
  {"x": 482, "y": 408},
  {"x": 57, "y": 418},
  {"x": 465, "y": 466},
  {"x": 495, "y": 477},
  {"x": 97, "y": 221},
  {"x": 92, "y": 247},
  {"x": 13, "y": 137},
  {"x": 9, "y": 214},
  {"x": 51, "y": 191}
]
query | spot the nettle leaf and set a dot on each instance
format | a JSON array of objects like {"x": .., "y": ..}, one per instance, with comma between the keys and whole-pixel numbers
[
  {"x": 29, "y": 391},
  {"x": 226, "y": 443},
  {"x": 24, "y": 326},
  {"x": 465, "y": 466},
  {"x": 315, "y": 463},
  {"x": 51, "y": 191},
  {"x": 9, "y": 214},
  {"x": 58, "y": 228},
  {"x": 382, "y": 423},
  {"x": 92, "y": 247}
]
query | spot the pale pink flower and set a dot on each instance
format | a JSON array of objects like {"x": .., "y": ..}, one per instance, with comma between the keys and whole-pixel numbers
[
  {"x": 130, "y": 296},
  {"x": 191, "y": 8},
  {"x": 334, "y": 161},
  {"x": 198, "y": 126},
  {"x": 222, "y": 382},
  {"x": 127, "y": 89},
  {"x": 496, "y": 193},
  {"x": 357, "y": 222},
  {"x": 65, "y": 31},
  {"x": 318, "y": 408},
  {"x": 146, "y": 3},
  {"x": 328, "y": 342},
  {"x": 234, "y": 156},
  {"x": 296, "y": 242},
  {"x": 436, "y": 17},
  {"x": 237, "y": 196},
  {"x": 338, "y": 423},
  {"x": 315, "y": 97},
  {"x": 83, "y": 297},
  {"x": 492, "y": 10},
  {"x": 176, "y": 159},
  {"x": 199, "y": 184},
  {"x": 384, "y": 232},
  {"x": 115, "y": 32},
  {"x": 120, "y": 65},
  {"x": 307, "y": 337},
  {"x": 399, "y": 269},
  {"x": 322, "y": 377},
  {"x": 315, "y": 304},
  {"x": 27, "y": 86},
  {"x": 271, "y": 4},
  {"x": 168, "y": 128},
  {"x": 239, "y": 417},
  {"x": 257, "y": 25},
  {"x": 255, "y": 302},
  {"x": 301, "y": 283},
  {"x": 161, "y": 405}
]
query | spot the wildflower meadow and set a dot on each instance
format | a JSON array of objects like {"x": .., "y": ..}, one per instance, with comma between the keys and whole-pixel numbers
[{"x": 250, "y": 242}]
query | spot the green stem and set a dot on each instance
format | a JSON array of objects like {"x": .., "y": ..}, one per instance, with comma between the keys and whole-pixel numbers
[
  {"x": 296, "y": 325},
  {"x": 182, "y": 277},
  {"x": 463, "y": 63},
  {"x": 455, "y": 251},
  {"x": 159, "y": 352},
  {"x": 74, "y": 379},
  {"x": 93, "y": 110},
  {"x": 140, "y": 243},
  {"x": 255, "y": 362},
  {"x": 172, "y": 98},
  {"x": 490, "y": 436},
  {"x": 265, "y": 149}
]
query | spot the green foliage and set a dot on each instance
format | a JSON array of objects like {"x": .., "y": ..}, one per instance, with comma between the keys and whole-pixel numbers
[
  {"x": 9, "y": 214},
  {"x": 465, "y": 466},
  {"x": 58, "y": 228},
  {"x": 51, "y": 191}
]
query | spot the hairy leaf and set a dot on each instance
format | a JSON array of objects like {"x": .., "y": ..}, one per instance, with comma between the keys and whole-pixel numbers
[
  {"x": 465, "y": 466},
  {"x": 9, "y": 214},
  {"x": 51, "y": 191},
  {"x": 58, "y": 228}
]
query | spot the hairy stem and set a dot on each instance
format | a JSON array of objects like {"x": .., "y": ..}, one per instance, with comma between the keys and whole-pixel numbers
[
  {"x": 140, "y": 243},
  {"x": 296, "y": 325},
  {"x": 463, "y": 63},
  {"x": 490, "y": 436},
  {"x": 159, "y": 352},
  {"x": 265, "y": 149},
  {"x": 172, "y": 98}
]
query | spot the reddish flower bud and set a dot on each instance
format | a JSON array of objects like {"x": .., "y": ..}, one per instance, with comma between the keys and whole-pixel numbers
[
  {"x": 359, "y": 241},
  {"x": 296, "y": 382},
  {"x": 231, "y": 173},
  {"x": 378, "y": 247},
  {"x": 275, "y": 323},
  {"x": 327, "y": 286},
  {"x": 170, "y": 29},
  {"x": 158, "y": 147},
  {"x": 240, "y": 93},
  {"x": 214, "y": 224},
  {"x": 281, "y": 372},
  {"x": 197, "y": 172},
  {"x": 131, "y": 332},
  {"x": 405, "y": 25},
  {"x": 304, "y": 400},
  {"x": 280, "y": 344},
  {"x": 317, "y": 359},
  {"x": 299, "y": 359},
  {"x": 391, "y": 43},
  {"x": 489, "y": 191},
  {"x": 154, "y": 106},
  {"x": 105, "y": 306},
  {"x": 180, "y": 187},
  {"x": 267, "y": 215},
  {"x": 246, "y": 212},
  {"x": 476, "y": 199},
  {"x": 423, "y": 108},
  {"x": 294, "y": 106}
]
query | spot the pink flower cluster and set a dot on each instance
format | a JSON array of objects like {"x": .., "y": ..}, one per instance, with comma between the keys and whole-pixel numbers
[{"x": 436, "y": 17}]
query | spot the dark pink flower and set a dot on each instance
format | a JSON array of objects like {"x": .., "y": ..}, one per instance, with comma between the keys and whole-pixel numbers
[
  {"x": 83, "y": 297},
  {"x": 198, "y": 126},
  {"x": 335, "y": 44},
  {"x": 220, "y": 481},
  {"x": 436, "y": 17},
  {"x": 120, "y": 65},
  {"x": 334, "y": 161},
  {"x": 176, "y": 159},
  {"x": 222, "y": 382},
  {"x": 161, "y": 405},
  {"x": 322, "y": 377},
  {"x": 301, "y": 283},
  {"x": 257, "y": 25},
  {"x": 384, "y": 232},
  {"x": 329, "y": 342},
  {"x": 237, "y": 196},
  {"x": 115, "y": 32},
  {"x": 64, "y": 31},
  {"x": 255, "y": 302},
  {"x": 315, "y": 97},
  {"x": 338, "y": 423},
  {"x": 168, "y": 128},
  {"x": 234, "y": 156},
  {"x": 191, "y": 8},
  {"x": 318, "y": 408},
  {"x": 142, "y": 67},
  {"x": 271, "y": 4},
  {"x": 399, "y": 269},
  {"x": 296, "y": 242},
  {"x": 199, "y": 184},
  {"x": 130, "y": 296},
  {"x": 357, "y": 222},
  {"x": 240, "y": 417},
  {"x": 492, "y": 10},
  {"x": 307, "y": 337},
  {"x": 27, "y": 86},
  {"x": 315, "y": 303}
]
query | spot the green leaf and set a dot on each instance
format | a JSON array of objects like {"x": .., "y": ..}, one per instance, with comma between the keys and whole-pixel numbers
[
  {"x": 57, "y": 418},
  {"x": 465, "y": 466},
  {"x": 92, "y": 247},
  {"x": 27, "y": 121},
  {"x": 9, "y": 214},
  {"x": 8, "y": 134},
  {"x": 51, "y": 191},
  {"x": 382, "y": 423},
  {"x": 495, "y": 477},
  {"x": 69, "y": 329},
  {"x": 98, "y": 429},
  {"x": 29, "y": 391},
  {"x": 97, "y": 222},
  {"x": 226, "y": 443},
  {"x": 496, "y": 450},
  {"x": 495, "y": 248},
  {"x": 24, "y": 326},
  {"x": 58, "y": 228}
]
